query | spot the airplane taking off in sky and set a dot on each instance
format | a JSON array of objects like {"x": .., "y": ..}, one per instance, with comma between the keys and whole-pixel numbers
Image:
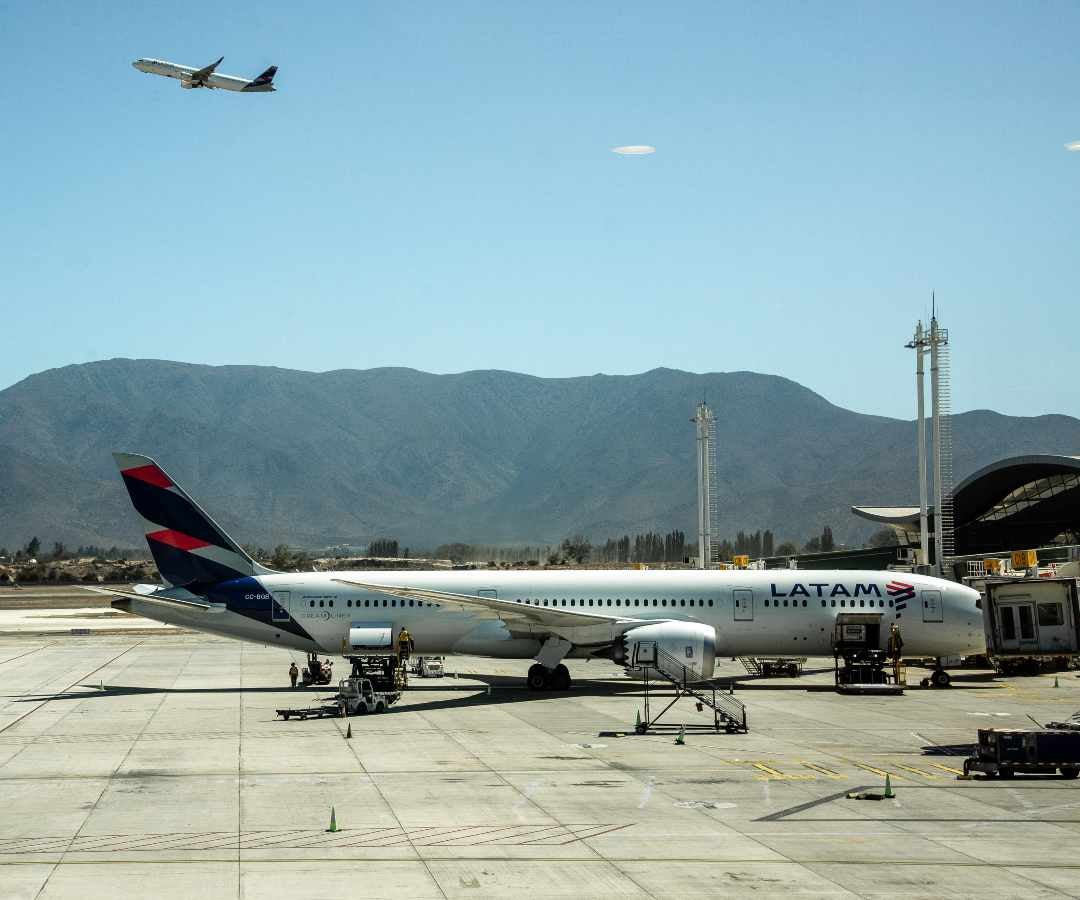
[
  {"x": 690, "y": 617},
  {"x": 207, "y": 76}
]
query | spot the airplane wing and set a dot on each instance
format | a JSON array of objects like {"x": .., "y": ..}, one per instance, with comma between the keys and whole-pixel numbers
[
  {"x": 160, "y": 599},
  {"x": 509, "y": 611},
  {"x": 200, "y": 75}
]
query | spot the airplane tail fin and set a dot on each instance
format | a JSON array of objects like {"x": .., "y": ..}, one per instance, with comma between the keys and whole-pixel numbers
[
  {"x": 189, "y": 547},
  {"x": 264, "y": 81}
]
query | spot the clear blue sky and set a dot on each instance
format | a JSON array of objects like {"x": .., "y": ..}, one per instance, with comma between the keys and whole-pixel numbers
[{"x": 432, "y": 186}]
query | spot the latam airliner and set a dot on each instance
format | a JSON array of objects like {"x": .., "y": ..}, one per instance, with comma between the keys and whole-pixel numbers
[
  {"x": 207, "y": 76},
  {"x": 212, "y": 585}
]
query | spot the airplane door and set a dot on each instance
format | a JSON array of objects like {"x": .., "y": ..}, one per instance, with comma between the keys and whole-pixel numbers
[
  {"x": 931, "y": 606},
  {"x": 488, "y": 593},
  {"x": 743, "y": 602},
  {"x": 279, "y": 606}
]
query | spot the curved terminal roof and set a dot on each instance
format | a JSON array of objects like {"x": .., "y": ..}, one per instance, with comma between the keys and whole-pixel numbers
[
  {"x": 1014, "y": 503},
  {"x": 888, "y": 515}
]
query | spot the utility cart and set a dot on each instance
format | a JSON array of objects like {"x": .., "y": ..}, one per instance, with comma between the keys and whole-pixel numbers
[
  {"x": 1002, "y": 752},
  {"x": 355, "y": 697}
]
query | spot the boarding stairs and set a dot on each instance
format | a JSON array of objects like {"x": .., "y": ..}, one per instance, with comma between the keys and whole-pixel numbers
[
  {"x": 729, "y": 713},
  {"x": 752, "y": 664}
]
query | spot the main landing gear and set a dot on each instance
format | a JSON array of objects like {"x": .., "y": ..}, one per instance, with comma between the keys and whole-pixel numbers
[
  {"x": 939, "y": 679},
  {"x": 541, "y": 678}
]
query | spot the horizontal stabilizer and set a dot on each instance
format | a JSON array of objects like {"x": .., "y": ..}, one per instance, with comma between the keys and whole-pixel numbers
[{"x": 160, "y": 599}]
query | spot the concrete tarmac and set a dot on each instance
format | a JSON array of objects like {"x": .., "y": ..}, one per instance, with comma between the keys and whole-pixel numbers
[{"x": 178, "y": 780}]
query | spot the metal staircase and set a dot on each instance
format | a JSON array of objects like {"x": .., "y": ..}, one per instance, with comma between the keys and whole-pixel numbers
[
  {"x": 751, "y": 664},
  {"x": 728, "y": 712}
]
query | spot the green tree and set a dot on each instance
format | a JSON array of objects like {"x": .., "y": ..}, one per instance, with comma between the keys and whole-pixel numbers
[
  {"x": 33, "y": 547},
  {"x": 787, "y": 548},
  {"x": 884, "y": 537},
  {"x": 576, "y": 547}
]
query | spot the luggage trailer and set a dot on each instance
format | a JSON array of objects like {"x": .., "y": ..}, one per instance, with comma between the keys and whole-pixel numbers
[{"x": 1002, "y": 752}]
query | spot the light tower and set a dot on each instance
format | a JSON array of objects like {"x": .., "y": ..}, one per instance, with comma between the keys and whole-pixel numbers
[
  {"x": 934, "y": 342},
  {"x": 706, "y": 468}
]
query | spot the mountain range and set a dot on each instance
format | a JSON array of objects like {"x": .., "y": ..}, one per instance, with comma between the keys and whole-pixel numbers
[{"x": 313, "y": 459}]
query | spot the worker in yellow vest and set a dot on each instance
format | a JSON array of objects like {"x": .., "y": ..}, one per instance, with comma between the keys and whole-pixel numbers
[{"x": 404, "y": 645}]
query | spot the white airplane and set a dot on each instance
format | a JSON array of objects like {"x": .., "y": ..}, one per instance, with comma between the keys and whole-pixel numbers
[
  {"x": 689, "y": 618},
  {"x": 207, "y": 76}
]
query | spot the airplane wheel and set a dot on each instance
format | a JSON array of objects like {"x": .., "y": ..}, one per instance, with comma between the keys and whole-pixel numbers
[
  {"x": 560, "y": 678},
  {"x": 537, "y": 679},
  {"x": 940, "y": 678},
  {"x": 1070, "y": 771}
]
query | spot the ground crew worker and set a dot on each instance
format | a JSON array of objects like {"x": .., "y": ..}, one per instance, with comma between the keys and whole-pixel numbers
[
  {"x": 404, "y": 644},
  {"x": 896, "y": 643},
  {"x": 895, "y": 650},
  {"x": 294, "y": 673}
]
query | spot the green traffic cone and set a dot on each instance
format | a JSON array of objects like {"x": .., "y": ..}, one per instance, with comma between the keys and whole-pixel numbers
[
  {"x": 348, "y": 731},
  {"x": 680, "y": 738},
  {"x": 888, "y": 787},
  {"x": 333, "y": 820},
  {"x": 637, "y": 719},
  {"x": 1056, "y": 681}
]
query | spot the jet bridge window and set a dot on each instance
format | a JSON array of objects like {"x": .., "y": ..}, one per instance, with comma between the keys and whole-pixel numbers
[
  {"x": 710, "y": 602},
  {"x": 1051, "y": 614}
]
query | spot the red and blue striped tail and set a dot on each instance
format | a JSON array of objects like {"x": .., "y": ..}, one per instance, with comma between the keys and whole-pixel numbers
[{"x": 189, "y": 547}]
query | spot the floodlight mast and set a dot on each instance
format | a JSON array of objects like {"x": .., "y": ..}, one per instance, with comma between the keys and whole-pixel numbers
[
  {"x": 920, "y": 344},
  {"x": 706, "y": 436},
  {"x": 934, "y": 341}
]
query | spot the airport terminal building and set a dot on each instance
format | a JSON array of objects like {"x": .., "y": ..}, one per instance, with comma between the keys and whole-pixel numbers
[{"x": 1016, "y": 503}]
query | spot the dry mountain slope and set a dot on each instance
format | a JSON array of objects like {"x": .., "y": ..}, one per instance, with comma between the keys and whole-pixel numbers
[{"x": 281, "y": 455}]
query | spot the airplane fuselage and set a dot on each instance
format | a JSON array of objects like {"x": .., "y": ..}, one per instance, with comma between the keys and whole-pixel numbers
[{"x": 773, "y": 612}]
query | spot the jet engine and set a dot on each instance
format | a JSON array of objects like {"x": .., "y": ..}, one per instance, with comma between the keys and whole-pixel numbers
[
  {"x": 187, "y": 85},
  {"x": 681, "y": 650}
]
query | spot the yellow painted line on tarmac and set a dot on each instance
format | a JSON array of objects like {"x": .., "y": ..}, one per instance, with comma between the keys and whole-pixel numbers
[
  {"x": 947, "y": 769},
  {"x": 770, "y": 772},
  {"x": 828, "y": 773},
  {"x": 919, "y": 772},
  {"x": 881, "y": 773}
]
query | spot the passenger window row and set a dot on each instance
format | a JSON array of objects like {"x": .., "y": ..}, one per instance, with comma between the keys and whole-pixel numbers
[
  {"x": 370, "y": 603},
  {"x": 618, "y": 601},
  {"x": 824, "y": 603}
]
